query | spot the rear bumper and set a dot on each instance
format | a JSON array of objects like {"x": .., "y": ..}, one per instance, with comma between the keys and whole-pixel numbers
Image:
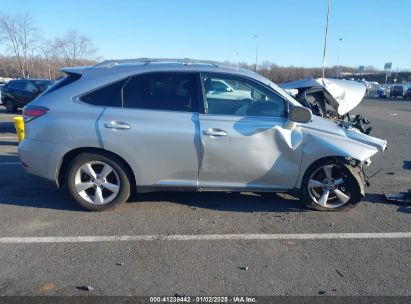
[{"x": 41, "y": 159}]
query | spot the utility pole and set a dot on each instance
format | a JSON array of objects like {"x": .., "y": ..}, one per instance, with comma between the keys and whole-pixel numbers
[
  {"x": 256, "y": 51},
  {"x": 338, "y": 64},
  {"x": 325, "y": 39}
]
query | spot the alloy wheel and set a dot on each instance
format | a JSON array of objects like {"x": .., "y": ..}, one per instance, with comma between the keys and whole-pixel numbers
[
  {"x": 327, "y": 187},
  {"x": 97, "y": 182}
]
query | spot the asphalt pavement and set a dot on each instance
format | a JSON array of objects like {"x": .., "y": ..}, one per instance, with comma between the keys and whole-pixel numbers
[{"x": 184, "y": 243}]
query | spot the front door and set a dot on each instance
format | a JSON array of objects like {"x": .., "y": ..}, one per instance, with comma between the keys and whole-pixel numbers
[
  {"x": 28, "y": 93},
  {"x": 244, "y": 143}
]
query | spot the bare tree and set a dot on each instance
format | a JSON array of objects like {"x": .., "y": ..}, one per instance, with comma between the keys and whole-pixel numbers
[
  {"x": 19, "y": 33},
  {"x": 49, "y": 55},
  {"x": 75, "y": 48}
]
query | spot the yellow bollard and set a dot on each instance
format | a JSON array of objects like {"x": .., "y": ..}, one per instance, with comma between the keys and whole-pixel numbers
[{"x": 19, "y": 125}]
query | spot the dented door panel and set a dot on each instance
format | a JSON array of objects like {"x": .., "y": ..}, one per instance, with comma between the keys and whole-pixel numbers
[{"x": 256, "y": 153}]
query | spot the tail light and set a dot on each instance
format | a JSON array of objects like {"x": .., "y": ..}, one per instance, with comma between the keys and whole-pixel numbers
[{"x": 31, "y": 112}]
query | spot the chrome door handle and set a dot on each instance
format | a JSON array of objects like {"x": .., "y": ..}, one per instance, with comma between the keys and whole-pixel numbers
[
  {"x": 215, "y": 132},
  {"x": 117, "y": 125}
]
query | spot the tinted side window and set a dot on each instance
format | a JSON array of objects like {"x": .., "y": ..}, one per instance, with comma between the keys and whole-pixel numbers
[
  {"x": 109, "y": 95},
  {"x": 43, "y": 85},
  {"x": 161, "y": 91},
  {"x": 30, "y": 87},
  {"x": 241, "y": 97}
]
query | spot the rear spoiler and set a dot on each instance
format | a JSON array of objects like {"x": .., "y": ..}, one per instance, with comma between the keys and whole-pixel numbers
[{"x": 74, "y": 70}]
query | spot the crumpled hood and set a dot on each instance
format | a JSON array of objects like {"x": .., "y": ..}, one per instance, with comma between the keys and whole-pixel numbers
[{"x": 343, "y": 95}]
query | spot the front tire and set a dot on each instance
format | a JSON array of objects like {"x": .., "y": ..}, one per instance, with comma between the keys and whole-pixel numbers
[
  {"x": 329, "y": 186},
  {"x": 98, "y": 182}
]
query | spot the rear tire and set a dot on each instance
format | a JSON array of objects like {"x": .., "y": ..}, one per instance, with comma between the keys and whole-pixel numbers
[
  {"x": 329, "y": 185},
  {"x": 98, "y": 182}
]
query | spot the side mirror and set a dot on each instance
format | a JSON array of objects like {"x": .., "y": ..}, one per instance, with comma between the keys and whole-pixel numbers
[
  {"x": 229, "y": 89},
  {"x": 300, "y": 114}
]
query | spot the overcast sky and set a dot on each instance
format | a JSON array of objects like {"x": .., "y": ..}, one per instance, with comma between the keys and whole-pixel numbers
[{"x": 291, "y": 32}]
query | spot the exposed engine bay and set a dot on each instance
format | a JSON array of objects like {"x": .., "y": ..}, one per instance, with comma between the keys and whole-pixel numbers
[{"x": 332, "y": 99}]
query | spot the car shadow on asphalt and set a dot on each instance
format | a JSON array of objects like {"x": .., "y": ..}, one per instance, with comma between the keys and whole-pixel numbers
[
  {"x": 234, "y": 202},
  {"x": 225, "y": 201},
  {"x": 40, "y": 195},
  {"x": 36, "y": 194},
  {"x": 57, "y": 200},
  {"x": 29, "y": 192}
]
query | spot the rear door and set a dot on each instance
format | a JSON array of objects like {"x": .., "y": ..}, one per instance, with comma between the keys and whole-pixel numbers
[
  {"x": 244, "y": 142},
  {"x": 155, "y": 128}
]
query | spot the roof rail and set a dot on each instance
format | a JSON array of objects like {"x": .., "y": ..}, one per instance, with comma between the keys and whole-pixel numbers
[{"x": 184, "y": 61}]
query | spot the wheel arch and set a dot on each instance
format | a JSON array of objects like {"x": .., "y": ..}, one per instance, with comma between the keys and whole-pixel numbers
[
  {"x": 353, "y": 165},
  {"x": 70, "y": 155}
]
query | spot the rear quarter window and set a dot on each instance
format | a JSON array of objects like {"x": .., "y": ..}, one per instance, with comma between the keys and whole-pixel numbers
[{"x": 108, "y": 95}]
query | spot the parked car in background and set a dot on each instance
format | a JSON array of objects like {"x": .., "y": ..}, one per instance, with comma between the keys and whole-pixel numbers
[
  {"x": 149, "y": 124},
  {"x": 407, "y": 93},
  {"x": 17, "y": 93},
  {"x": 221, "y": 89},
  {"x": 397, "y": 91},
  {"x": 382, "y": 92}
]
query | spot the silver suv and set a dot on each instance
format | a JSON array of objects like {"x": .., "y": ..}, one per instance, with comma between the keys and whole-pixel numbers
[{"x": 148, "y": 125}]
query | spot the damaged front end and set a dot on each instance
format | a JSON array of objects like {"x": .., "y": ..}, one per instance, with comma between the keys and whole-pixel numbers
[{"x": 331, "y": 99}]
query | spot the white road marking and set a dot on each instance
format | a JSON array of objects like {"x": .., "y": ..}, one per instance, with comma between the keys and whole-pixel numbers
[
  {"x": 203, "y": 237},
  {"x": 11, "y": 163},
  {"x": 8, "y": 137}
]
